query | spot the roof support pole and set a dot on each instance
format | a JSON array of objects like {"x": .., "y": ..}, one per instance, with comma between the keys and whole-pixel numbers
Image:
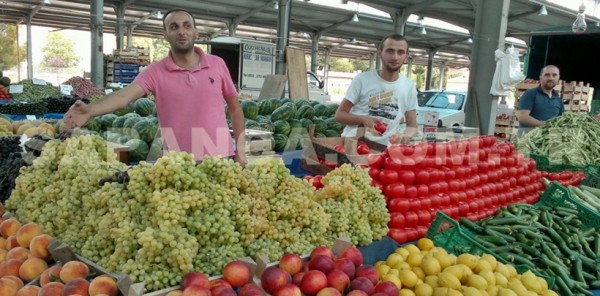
[
  {"x": 409, "y": 68},
  {"x": 283, "y": 32},
  {"x": 372, "y": 58},
  {"x": 442, "y": 74},
  {"x": 129, "y": 35},
  {"x": 431, "y": 55},
  {"x": 120, "y": 11},
  {"x": 399, "y": 18},
  {"x": 326, "y": 69},
  {"x": 96, "y": 24},
  {"x": 29, "y": 50},
  {"x": 314, "y": 54},
  {"x": 489, "y": 34},
  {"x": 377, "y": 59}
]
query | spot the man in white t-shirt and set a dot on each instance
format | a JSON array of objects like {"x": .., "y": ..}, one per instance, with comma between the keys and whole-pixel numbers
[{"x": 382, "y": 95}]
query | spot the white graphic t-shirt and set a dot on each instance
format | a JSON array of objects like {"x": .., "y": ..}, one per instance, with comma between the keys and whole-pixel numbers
[{"x": 374, "y": 96}]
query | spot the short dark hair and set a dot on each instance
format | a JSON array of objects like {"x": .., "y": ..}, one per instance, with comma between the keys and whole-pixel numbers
[
  {"x": 395, "y": 36},
  {"x": 177, "y": 10}
]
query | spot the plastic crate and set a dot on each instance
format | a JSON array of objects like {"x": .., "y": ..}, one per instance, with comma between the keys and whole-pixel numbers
[
  {"x": 558, "y": 196},
  {"x": 591, "y": 180},
  {"x": 543, "y": 164},
  {"x": 447, "y": 233}
]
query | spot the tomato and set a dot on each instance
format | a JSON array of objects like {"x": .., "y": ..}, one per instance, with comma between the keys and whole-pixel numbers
[
  {"x": 424, "y": 217},
  {"x": 316, "y": 181},
  {"x": 463, "y": 209},
  {"x": 399, "y": 235},
  {"x": 522, "y": 180},
  {"x": 473, "y": 206},
  {"x": 395, "y": 190},
  {"x": 363, "y": 149},
  {"x": 378, "y": 184},
  {"x": 406, "y": 177},
  {"x": 425, "y": 202},
  {"x": 410, "y": 219},
  {"x": 398, "y": 205},
  {"x": 392, "y": 164},
  {"x": 471, "y": 193},
  {"x": 436, "y": 175},
  {"x": 375, "y": 160},
  {"x": 380, "y": 127},
  {"x": 453, "y": 185},
  {"x": 374, "y": 173},
  {"x": 422, "y": 190},
  {"x": 414, "y": 204},
  {"x": 387, "y": 176},
  {"x": 444, "y": 199},
  {"x": 462, "y": 184},
  {"x": 449, "y": 174},
  {"x": 454, "y": 198},
  {"x": 412, "y": 234},
  {"x": 434, "y": 188},
  {"x": 421, "y": 177},
  {"x": 411, "y": 191},
  {"x": 484, "y": 178},
  {"x": 396, "y": 220},
  {"x": 476, "y": 179},
  {"x": 308, "y": 178},
  {"x": 339, "y": 148},
  {"x": 443, "y": 186},
  {"x": 435, "y": 200}
]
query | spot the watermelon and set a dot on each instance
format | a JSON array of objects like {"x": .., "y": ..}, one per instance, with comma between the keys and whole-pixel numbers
[
  {"x": 250, "y": 108},
  {"x": 124, "y": 111},
  {"x": 263, "y": 118},
  {"x": 320, "y": 125},
  {"x": 305, "y": 111},
  {"x": 320, "y": 135},
  {"x": 331, "y": 134},
  {"x": 250, "y": 124},
  {"x": 299, "y": 103},
  {"x": 285, "y": 112},
  {"x": 93, "y": 124},
  {"x": 146, "y": 130},
  {"x": 128, "y": 127},
  {"x": 282, "y": 127},
  {"x": 138, "y": 150},
  {"x": 155, "y": 151},
  {"x": 332, "y": 124},
  {"x": 320, "y": 110},
  {"x": 106, "y": 120},
  {"x": 331, "y": 109},
  {"x": 295, "y": 141},
  {"x": 144, "y": 107},
  {"x": 295, "y": 124},
  {"x": 306, "y": 123},
  {"x": 266, "y": 126},
  {"x": 313, "y": 103},
  {"x": 286, "y": 100},
  {"x": 266, "y": 107},
  {"x": 279, "y": 142}
]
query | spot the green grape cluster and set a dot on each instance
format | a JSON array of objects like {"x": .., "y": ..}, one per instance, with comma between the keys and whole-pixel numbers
[{"x": 358, "y": 210}]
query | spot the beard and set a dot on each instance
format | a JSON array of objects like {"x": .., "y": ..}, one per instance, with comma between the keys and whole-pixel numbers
[
  {"x": 182, "y": 48},
  {"x": 548, "y": 85},
  {"x": 391, "y": 69}
]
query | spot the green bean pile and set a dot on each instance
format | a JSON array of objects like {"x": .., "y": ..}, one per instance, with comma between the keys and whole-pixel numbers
[{"x": 572, "y": 138}]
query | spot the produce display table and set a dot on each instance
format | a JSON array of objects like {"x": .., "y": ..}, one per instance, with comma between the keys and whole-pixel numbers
[{"x": 46, "y": 115}]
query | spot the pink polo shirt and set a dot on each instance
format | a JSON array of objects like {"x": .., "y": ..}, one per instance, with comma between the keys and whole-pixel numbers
[{"x": 191, "y": 104}]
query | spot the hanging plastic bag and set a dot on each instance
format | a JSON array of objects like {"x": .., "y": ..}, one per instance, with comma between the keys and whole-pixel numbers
[{"x": 508, "y": 72}]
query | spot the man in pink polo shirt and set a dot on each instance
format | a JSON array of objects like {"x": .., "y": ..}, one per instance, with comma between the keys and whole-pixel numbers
[{"x": 190, "y": 88}]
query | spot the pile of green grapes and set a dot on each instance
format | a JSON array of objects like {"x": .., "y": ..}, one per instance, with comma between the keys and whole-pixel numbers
[{"x": 157, "y": 222}]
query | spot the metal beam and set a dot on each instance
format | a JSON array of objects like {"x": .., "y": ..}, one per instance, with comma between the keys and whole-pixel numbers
[
  {"x": 522, "y": 15},
  {"x": 143, "y": 18},
  {"x": 423, "y": 4},
  {"x": 250, "y": 13}
]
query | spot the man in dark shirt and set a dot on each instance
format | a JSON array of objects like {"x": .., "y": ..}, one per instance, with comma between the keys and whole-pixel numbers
[{"x": 542, "y": 103}]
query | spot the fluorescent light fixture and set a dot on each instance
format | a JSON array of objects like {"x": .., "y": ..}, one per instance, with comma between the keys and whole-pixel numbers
[
  {"x": 470, "y": 40},
  {"x": 420, "y": 20},
  {"x": 47, "y": 2},
  {"x": 158, "y": 14},
  {"x": 423, "y": 31},
  {"x": 353, "y": 41},
  {"x": 344, "y": 1},
  {"x": 303, "y": 35},
  {"x": 275, "y": 5},
  {"x": 355, "y": 18},
  {"x": 543, "y": 10}
]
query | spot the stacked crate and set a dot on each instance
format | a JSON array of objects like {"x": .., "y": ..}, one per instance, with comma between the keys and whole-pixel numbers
[
  {"x": 124, "y": 65},
  {"x": 577, "y": 96},
  {"x": 507, "y": 124}
]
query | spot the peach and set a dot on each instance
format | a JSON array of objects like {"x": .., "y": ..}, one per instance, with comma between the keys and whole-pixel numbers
[
  {"x": 8, "y": 287},
  {"x": 363, "y": 284},
  {"x": 49, "y": 275},
  {"x": 18, "y": 253},
  {"x": 103, "y": 285},
  {"x": 322, "y": 250},
  {"x": 368, "y": 271},
  {"x": 195, "y": 278},
  {"x": 288, "y": 290},
  {"x": 9, "y": 227},
  {"x": 10, "y": 267},
  {"x": 313, "y": 282},
  {"x": 346, "y": 265},
  {"x": 274, "y": 277},
  {"x": 387, "y": 288},
  {"x": 3, "y": 253},
  {"x": 39, "y": 246},
  {"x": 291, "y": 263},
  {"x": 236, "y": 273},
  {"x": 32, "y": 268},
  {"x": 222, "y": 290},
  {"x": 73, "y": 270},
  {"x": 15, "y": 279},
  {"x": 196, "y": 290},
  {"x": 338, "y": 279},
  {"x": 175, "y": 293},
  {"x": 77, "y": 286},
  {"x": 297, "y": 278},
  {"x": 52, "y": 289},
  {"x": 28, "y": 232},
  {"x": 2, "y": 210},
  {"x": 249, "y": 287},
  {"x": 220, "y": 282},
  {"x": 329, "y": 291},
  {"x": 322, "y": 263},
  {"x": 11, "y": 242},
  {"x": 357, "y": 293},
  {"x": 29, "y": 291},
  {"x": 354, "y": 254},
  {"x": 2, "y": 243}
]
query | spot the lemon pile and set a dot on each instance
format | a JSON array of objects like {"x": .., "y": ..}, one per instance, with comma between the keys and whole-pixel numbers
[{"x": 425, "y": 270}]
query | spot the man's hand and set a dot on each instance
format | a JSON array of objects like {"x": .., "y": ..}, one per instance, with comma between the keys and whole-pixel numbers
[
  {"x": 241, "y": 159},
  {"x": 77, "y": 115},
  {"x": 369, "y": 123},
  {"x": 399, "y": 139}
]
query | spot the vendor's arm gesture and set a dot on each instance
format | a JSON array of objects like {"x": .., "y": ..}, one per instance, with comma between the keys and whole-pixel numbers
[{"x": 80, "y": 113}]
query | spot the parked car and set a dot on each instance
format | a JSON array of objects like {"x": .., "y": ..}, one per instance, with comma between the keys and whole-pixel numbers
[{"x": 450, "y": 105}]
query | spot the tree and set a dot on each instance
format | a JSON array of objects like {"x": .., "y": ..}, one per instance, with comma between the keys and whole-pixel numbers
[
  {"x": 59, "y": 52},
  {"x": 159, "y": 48},
  {"x": 8, "y": 47}
]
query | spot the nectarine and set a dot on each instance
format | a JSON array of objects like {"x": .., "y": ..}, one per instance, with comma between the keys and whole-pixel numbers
[
  {"x": 28, "y": 232},
  {"x": 74, "y": 270},
  {"x": 103, "y": 284}
]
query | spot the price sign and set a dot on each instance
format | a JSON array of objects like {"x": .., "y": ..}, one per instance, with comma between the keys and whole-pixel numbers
[
  {"x": 16, "y": 89},
  {"x": 39, "y": 81},
  {"x": 66, "y": 89},
  {"x": 30, "y": 117},
  {"x": 108, "y": 91}
]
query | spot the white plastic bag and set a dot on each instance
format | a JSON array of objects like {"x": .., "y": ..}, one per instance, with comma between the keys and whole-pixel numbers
[{"x": 508, "y": 72}]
